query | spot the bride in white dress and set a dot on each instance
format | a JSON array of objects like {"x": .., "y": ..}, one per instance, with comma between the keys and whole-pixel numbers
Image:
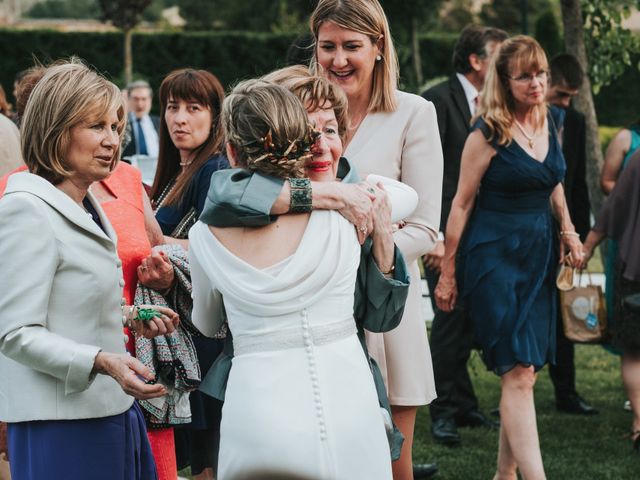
[{"x": 300, "y": 398}]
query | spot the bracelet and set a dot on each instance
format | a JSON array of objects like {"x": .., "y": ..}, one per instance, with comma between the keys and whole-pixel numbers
[
  {"x": 569, "y": 233},
  {"x": 390, "y": 271},
  {"x": 300, "y": 195},
  {"x": 126, "y": 316}
]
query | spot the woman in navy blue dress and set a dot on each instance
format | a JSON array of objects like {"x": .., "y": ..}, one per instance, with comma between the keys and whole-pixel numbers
[
  {"x": 509, "y": 191},
  {"x": 190, "y": 145}
]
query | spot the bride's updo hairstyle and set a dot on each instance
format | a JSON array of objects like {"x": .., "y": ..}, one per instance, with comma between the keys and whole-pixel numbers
[{"x": 267, "y": 128}]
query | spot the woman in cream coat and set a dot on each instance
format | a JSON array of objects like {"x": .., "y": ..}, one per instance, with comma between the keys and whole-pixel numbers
[
  {"x": 394, "y": 134},
  {"x": 66, "y": 383}
]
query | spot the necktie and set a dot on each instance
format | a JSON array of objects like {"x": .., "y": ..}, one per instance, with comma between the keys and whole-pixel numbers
[
  {"x": 476, "y": 102},
  {"x": 142, "y": 145}
]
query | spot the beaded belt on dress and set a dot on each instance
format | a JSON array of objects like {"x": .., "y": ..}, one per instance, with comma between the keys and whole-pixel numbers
[{"x": 297, "y": 337}]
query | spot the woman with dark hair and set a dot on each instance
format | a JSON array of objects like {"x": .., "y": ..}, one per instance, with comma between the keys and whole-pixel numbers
[
  {"x": 190, "y": 141},
  {"x": 190, "y": 144}
]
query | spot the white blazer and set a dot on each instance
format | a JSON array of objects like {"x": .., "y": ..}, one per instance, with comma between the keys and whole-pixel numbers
[{"x": 60, "y": 289}]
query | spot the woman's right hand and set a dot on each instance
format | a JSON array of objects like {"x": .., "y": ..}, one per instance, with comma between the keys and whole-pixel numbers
[
  {"x": 128, "y": 371},
  {"x": 358, "y": 207},
  {"x": 156, "y": 271},
  {"x": 446, "y": 292}
]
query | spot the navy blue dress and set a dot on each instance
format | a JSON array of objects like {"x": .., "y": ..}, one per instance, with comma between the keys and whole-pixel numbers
[
  {"x": 197, "y": 442},
  {"x": 508, "y": 257}
]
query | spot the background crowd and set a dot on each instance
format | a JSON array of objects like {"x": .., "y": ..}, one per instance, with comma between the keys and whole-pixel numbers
[{"x": 493, "y": 163}]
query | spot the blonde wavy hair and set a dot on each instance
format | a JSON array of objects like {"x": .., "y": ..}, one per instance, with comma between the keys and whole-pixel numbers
[
  {"x": 268, "y": 128},
  {"x": 315, "y": 92},
  {"x": 69, "y": 93},
  {"x": 517, "y": 54},
  {"x": 368, "y": 18}
]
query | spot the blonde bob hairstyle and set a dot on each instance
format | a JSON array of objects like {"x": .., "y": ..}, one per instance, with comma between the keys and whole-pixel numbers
[
  {"x": 315, "y": 92},
  {"x": 68, "y": 94},
  {"x": 519, "y": 54},
  {"x": 366, "y": 17},
  {"x": 266, "y": 125}
]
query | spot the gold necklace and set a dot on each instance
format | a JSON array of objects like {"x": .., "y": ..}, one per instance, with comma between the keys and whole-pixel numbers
[{"x": 529, "y": 138}]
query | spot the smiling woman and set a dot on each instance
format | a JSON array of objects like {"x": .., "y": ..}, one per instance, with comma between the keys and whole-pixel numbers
[{"x": 393, "y": 134}]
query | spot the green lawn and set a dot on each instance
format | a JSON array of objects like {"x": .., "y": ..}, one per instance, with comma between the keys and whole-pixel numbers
[{"x": 573, "y": 447}]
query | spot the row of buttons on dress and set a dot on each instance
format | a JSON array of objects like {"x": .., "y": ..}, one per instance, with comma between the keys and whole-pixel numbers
[{"x": 313, "y": 373}]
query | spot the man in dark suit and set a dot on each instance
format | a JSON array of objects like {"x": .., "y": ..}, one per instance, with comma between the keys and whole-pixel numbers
[
  {"x": 142, "y": 128},
  {"x": 566, "y": 78},
  {"x": 452, "y": 333}
]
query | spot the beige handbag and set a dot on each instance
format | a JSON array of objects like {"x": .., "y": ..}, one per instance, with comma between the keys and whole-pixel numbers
[{"x": 584, "y": 317}]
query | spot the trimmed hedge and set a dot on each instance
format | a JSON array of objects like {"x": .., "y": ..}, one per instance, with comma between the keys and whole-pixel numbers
[{"x": 233, "y": 56}]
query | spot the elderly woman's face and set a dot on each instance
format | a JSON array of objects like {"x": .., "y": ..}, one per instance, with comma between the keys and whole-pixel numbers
[
  {"x": 327, "y": 149},
  {"x": 189, "y": 124},
  {"x": 93, "y": 144},
  {"x": 528, "y": 86},
  {"x": 347, "y": 57}
]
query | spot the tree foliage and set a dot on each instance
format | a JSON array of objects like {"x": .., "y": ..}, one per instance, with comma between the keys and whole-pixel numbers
[
  {"x": 257, "y": 15},
  {"x": 123, "y": 14},
  {"x": 610, "y": 47},
  {"x": 507, "y": 14},
  {"x": 76, "y": 9}
]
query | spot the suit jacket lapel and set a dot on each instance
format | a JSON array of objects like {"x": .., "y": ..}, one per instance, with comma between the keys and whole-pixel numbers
[
  {"x": 460, "y": 100},
  {"x": 41, "y": 188}
]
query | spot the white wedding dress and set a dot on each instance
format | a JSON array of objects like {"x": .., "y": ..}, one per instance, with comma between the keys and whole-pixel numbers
[{"x": 300, "y": 397}]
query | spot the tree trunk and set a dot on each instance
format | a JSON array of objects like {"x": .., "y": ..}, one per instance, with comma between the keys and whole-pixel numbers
[
  {"x": 128, "y": 56},
  {"x": 415, "y": 52},
  {"x": 574, "y": 44}
]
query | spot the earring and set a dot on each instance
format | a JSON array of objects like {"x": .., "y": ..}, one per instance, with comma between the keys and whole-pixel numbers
[{"x": 378, "y": 58}]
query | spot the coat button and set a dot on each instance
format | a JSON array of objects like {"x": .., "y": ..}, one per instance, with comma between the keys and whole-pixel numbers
[
  {"x": 119, "y": 263},
  {"x": 126, "y": 338},
  {"x": 121, "y": 283}
]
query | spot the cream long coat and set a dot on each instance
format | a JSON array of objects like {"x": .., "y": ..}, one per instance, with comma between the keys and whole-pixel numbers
[
  {"x": 60, "y": 292},
  {"x": 405, "y": 145}
]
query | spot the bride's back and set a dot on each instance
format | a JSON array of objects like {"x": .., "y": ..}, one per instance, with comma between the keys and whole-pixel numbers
[{"x": 264, "y": 246}]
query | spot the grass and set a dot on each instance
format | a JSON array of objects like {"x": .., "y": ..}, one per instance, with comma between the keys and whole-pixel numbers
[{"x": 573, "y": 447}]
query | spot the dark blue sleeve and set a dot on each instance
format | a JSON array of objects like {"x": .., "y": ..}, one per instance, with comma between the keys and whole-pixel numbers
[
  {"x": 481, "y": 125},
  {"x": 202, "y": 180}
]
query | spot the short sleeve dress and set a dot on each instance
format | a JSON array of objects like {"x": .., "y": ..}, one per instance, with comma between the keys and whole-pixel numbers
[{"x": 508, "y": 257}]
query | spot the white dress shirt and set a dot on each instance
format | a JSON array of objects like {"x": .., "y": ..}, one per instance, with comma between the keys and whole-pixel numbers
[{"x": 470, "y": 92}]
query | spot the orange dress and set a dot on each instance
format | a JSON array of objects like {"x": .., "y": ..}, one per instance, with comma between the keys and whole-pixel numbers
[{"x": 125, "y": 211}]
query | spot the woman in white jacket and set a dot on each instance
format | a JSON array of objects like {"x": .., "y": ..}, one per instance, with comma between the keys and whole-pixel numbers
[{"x": 66, "y": 383}]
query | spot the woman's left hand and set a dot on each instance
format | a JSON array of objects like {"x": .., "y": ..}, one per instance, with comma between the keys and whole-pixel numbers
[
  {"x": 160, "y": 325},
  {"x": 382, "y": 234},
  {"x": 573, "y": 244}
]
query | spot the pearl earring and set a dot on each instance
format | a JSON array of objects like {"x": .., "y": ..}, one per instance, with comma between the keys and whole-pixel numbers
[{"x": 378, "y": 58}]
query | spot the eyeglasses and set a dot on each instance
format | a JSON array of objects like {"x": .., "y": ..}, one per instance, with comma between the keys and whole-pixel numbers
[{"x": 541, "y": 76}]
